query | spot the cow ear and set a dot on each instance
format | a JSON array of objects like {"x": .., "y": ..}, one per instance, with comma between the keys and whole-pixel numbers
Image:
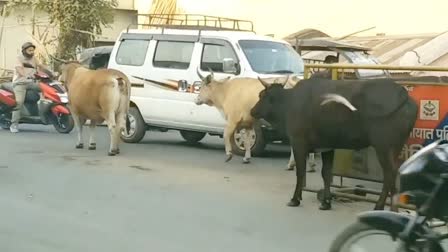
[
  {"x": 208, "y": 79},
  {"x": 211, "y": 73}
]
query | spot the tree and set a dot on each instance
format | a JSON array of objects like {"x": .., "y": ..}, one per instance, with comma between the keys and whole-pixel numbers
[{"x": 78, "y": 21}]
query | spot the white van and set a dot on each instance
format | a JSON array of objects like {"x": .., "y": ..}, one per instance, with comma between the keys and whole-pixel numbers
[{"x": 163, "y": 63}]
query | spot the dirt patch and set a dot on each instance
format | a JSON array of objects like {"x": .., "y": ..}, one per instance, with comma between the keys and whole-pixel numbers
[
  {"x": 141, "y": 168},
  {"x": 72, "y": 158},
  {"x": 92, "y": 162},
  {"x": 31, "y": 152},
  {"x": 69, "y": 158}
]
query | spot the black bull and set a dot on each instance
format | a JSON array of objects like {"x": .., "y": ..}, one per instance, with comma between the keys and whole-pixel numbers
[{"x": 326, "y": 114}]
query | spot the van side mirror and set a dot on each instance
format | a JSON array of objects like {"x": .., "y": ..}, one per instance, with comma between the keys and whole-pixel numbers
[{"x": 230, "y": 66}]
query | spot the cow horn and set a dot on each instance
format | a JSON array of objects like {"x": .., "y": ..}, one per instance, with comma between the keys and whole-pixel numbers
[
  {"x": 328, "y": 98},
  {"x": 265, "y": 84},
  {"x": 286, "y": 81},
  {"x": 199, "y": 74}
]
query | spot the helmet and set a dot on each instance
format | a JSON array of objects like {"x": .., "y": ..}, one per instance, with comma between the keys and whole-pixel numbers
[{"x": 27, "y": 45}]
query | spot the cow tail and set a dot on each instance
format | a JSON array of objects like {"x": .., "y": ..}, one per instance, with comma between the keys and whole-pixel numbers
[
  {"x": 125, "y": 92},
  {"x": 121, "y": 84}
]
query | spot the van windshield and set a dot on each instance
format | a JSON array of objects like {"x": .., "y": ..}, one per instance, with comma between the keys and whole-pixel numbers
[{"x": 267, "y": 57}]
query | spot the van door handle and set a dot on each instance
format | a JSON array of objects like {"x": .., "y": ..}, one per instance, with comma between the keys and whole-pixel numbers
[{"x": 182, "y": 86}]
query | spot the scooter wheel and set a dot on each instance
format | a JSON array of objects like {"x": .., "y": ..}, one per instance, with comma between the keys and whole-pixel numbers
[{"x": 64, "y": 124}]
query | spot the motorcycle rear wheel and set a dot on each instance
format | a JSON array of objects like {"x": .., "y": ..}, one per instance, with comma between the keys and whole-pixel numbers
[{"x": 346, "y": 241}]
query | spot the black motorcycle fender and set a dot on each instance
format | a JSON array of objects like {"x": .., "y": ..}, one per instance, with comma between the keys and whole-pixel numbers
[
  {"x": 394, "y": 223},
  {"x": 391, "y": 222},
  {"x": 388, "y": 221}
]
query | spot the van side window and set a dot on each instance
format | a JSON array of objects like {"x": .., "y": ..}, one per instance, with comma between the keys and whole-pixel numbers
[
  {"x": 173, "y": 54},
  {"x": 132, "y": 52},
  {"x": 213, "y": 56}
]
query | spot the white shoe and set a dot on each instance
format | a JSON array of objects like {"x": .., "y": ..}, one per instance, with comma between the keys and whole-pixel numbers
[{"x": 14, "y": 128}]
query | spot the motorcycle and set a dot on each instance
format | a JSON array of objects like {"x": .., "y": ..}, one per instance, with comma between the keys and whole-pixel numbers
[
  {"x": 424, "y": 184},
  {"x": 51, "y": 108}
]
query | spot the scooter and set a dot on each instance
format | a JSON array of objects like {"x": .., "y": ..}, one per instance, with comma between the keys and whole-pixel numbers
[
  {"x": 50, "y": 108},
  {"x": 424, "y": 184}
]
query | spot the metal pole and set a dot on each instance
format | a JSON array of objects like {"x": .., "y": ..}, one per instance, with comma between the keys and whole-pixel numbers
[
  {"x": 33, "y": 20},
  {"x": 360, "y": 198},
  {"x": 379, "y": 67}
]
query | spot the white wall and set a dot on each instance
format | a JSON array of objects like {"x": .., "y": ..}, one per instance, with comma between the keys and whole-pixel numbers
[
  {"x": 18, "y": 30},
  {"x": 122, "y": 18},
  {"x": 126, "y": 5}
]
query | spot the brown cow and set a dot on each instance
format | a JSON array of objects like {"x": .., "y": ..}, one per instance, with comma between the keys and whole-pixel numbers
[
  {"x": 97, "y": 95},
  {"x": 234, "y": 98}
]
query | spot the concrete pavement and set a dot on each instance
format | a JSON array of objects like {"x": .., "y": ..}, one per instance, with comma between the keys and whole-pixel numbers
[{"x": 160, "y": 195}]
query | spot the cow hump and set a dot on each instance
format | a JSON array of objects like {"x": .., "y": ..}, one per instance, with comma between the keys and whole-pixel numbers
[{"x": 379, "y": 98}]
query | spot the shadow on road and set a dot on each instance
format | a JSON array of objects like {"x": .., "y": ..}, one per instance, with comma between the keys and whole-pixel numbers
[{"x": 274, "y": 151}]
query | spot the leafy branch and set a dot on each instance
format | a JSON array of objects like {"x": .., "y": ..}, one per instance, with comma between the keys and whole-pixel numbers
[{"x": 71, "y": 17}]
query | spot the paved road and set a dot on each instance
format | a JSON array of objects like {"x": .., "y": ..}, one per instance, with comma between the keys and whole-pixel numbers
[{"x": 161, "y": 195}]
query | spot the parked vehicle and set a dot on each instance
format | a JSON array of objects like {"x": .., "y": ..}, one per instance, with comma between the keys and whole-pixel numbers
[
  {"x": 423, "y": 183},
  {"x": 51, "y": 108},
  {"x": 95, "y": 57},
  {"x": 316, "y": 49},
  {"x": 162, "y": 65}
]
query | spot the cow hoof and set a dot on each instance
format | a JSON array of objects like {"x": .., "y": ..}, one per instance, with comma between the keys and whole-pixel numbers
[
  {"x": 294, "y": 203},
  {"x": 92, "y": 147},
  {"x": 326, "y": 205},
  {"x": 229, "y": 157},
  {"x": 311, "y": 170},
  {"x": 79, "y": 146},
  {"x": 114, "y": 152},
  {"x": 246, "y": 160},
  {"x": 290, "y": 169}
]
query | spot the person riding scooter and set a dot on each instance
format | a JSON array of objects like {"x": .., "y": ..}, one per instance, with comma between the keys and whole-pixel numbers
[{"x": 24, "y": 70}]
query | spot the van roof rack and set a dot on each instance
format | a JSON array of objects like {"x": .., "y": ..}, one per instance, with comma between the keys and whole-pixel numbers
[{"x": 194, "y": 22}]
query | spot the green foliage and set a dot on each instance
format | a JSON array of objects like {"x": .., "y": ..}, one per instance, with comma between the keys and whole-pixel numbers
[{"x": 77, "y": 20}]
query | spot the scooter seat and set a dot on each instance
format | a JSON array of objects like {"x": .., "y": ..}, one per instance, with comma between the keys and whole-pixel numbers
[{"x": 31, "y": 96}]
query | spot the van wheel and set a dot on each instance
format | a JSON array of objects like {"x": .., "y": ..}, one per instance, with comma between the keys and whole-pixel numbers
[
  {"x": 257, "y": 141},
  {"x": 137, "y": 128},
  {"x": 192, "y": 136}
]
